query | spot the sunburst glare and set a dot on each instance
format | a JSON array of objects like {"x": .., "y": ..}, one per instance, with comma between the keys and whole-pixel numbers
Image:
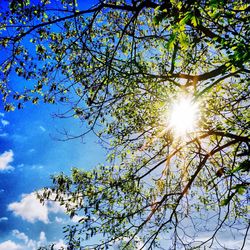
[{"x": 183, "y": 117}]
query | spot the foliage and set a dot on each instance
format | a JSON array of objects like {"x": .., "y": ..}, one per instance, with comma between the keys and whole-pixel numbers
[{"x": 119, "y": 65}]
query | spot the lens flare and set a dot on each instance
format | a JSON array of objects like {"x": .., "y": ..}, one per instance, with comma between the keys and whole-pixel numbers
[{"x": 184, "y": 116}]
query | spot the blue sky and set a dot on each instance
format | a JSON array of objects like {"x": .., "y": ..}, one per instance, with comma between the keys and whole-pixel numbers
[{"x": 29, "y": 154}]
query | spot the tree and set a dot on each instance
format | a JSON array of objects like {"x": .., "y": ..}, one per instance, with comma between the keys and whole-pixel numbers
[{"x": 119, "y": 66}]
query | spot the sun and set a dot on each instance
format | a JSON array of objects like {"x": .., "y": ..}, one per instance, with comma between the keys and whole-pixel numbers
[{"x": 184, "y": 116}]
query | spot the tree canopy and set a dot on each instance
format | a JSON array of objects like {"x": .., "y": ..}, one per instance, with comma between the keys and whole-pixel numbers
[{"x": 120, "y": 66}]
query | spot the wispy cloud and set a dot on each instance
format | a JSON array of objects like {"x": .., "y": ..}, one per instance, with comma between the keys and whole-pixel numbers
[
  {"x": 226, "y": 240},
  {"x": 3, "y": 219},
  {"x": 5, "y": 122},
  {"x": 5, "y": 159},
  {"x": 21, "y": 236},
  {"x": 4, "y": 134},
  {"x": 37, "y": 167},
  {"x": 43, "y": 129},
  {"x": 32, "y": 150},
  {"x": 59, "y": 220}
]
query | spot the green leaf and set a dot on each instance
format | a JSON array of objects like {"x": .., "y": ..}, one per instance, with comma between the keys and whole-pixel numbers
[
  {"x": 241, "y": 190},
  {"x": 7, "y": 66},
  {"x": 243, "y": 166},
  {"x": 186, "y": 18},
  {"x": 194, "y": 21},
  {"x": 225, "y": 202}
]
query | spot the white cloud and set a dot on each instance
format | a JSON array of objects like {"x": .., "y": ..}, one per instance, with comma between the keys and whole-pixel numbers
[
  {"x": 1, "y": 114},
  {"x": 59, "y": 245},
  {"x": 226, "y": 240},
  {"x": 33, "y": 244},
  {"x": 5, "y": 122},
  {"x": 5, "y": 159},
  {"x": 3, "y": 219},
  {"x": 77, "y": 218},
  {"x": 32, "y": 150},
  {"x": 30, "y": 209},
  {"x": 37, "y": 167},
  {"x": 233, "y": 243},
  {"x": 59, "y": 219},
  {"x": 54, "y": 207},
  {"x": 10, "y": 245},
  {"x": 42, "y": 128},
  {"x": 21, "y": 236},
  {"x": 74, "y": 219},
  {"x": 29, "y": 243},
  {"x": 42, "y": 237}
]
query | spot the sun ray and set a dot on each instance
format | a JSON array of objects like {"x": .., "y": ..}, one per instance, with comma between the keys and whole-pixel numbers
[{"x": 183, "y": 116}]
